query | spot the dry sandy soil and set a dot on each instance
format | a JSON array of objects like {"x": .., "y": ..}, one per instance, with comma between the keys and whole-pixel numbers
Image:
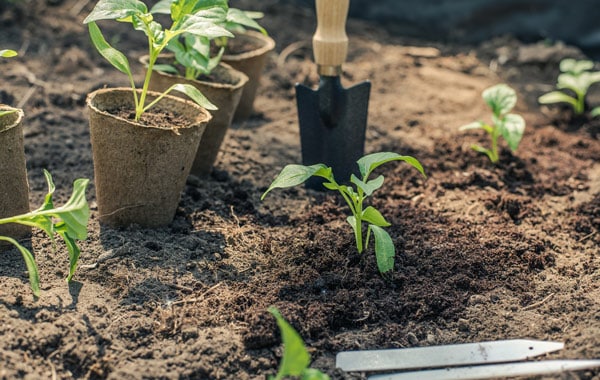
[{"x": 484, "y": 252}]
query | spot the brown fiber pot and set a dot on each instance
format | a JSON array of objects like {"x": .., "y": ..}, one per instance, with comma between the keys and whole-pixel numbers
[
  {"x": 14, "y": 189},
  {"x": 252, "y": 64},
  {"x": 139, "y": 170},
  {"x": 224, "y": 92}
]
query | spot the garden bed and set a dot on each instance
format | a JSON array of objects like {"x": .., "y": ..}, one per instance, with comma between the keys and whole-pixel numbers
[{"x": 484, "y": 252}]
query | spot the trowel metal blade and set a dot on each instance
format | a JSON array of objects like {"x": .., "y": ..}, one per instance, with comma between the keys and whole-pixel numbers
[
  {"x": 333, "y": 123},
  {"x": 444, "y": 356}
]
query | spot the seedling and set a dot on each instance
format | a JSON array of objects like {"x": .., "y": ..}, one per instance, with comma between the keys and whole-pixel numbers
[
  {"x": 193, "y": 52},
  {"x": 7, "y": 53},
  {"x": 293, "y": 175},
  {"x": 200, "y": 18},
  {"x": 575, "y": 77},
  {"x": 295, "y": 360},
  {"x": 501, "y": 99},
  {"x": 68, "y": 221}
]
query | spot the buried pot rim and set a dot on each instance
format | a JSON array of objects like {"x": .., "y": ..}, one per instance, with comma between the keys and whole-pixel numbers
[
  {"x": 202, "y": 117},
  {"x": 241, "y": 77},
  {"x": 268, "y": 44},
  {"x": 12, "y": 119}
]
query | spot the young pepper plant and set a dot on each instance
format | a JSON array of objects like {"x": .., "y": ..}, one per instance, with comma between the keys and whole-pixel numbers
[
  {"x": 501, "y": 99},
  {"x": 293, "y": 175},
  {"x": 575, "y": 77},
  {"x": 197, "y": 17},
  {"x": 295, "y": 360},
  {"x": 193, "y": 52},
  {"x": 68, "y": 221}
]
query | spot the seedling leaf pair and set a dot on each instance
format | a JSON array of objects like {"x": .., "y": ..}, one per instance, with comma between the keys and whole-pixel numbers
[
  {"x": 501, "y": 99},
  {"x": 293, "y": 175},
  {"x": 576, "y": 78},
  {"x": 68, "y": 221}
]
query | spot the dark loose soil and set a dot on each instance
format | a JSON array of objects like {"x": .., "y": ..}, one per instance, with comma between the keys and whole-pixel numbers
[{"x": 484, "y": 252}]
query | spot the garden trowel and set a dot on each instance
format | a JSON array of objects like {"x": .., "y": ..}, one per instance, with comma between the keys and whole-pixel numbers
[{"x": 332, "y": 119}]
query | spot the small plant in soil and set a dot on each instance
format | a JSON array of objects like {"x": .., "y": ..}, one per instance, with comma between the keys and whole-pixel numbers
[
  {"x": 68, "y": 221},
  {"x": 576, "y": 79},
  {"x": 193, "y": 52},
  {"x": 501, "y": 99},
  {"x": 199, "y": 18},
  {"x": 295, "y": 360},
  {"x": 7, "y": 53},
  {"x": 293, "y": 175}
]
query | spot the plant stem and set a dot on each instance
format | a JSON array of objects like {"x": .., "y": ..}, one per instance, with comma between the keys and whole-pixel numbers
[{"x": 494, "y": 152}]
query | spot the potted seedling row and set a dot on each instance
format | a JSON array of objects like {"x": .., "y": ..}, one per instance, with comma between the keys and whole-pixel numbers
[{"x": 144, "y": 142}]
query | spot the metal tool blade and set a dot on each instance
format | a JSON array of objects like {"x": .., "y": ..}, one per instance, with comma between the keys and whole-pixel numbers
[
  {"x": 493, "y": 371},
  {"x": 445, "y": 356},
  {"x": 333, "y": 124}
]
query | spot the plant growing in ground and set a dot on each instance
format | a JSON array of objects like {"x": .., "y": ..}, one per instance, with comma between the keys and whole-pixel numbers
[
  {"x": 7, "y": 53},
  {"x": 295, "y": 360},
  {"x": 201, "y": 18},
  {"x": 193, "y": 52},
  {"x": 293, "y": 175},
  {"x": 68, "y": 221},
  {"x": 576, "y": 78},
  {"x": 501, "y": 99}
]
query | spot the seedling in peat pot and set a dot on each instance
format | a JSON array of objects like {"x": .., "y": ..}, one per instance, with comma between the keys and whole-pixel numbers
[
  {"x": 7, "y": 53},
  {"x": 200, "y": 18},
  {"x": 295, "y": 360},
  {"x": 501, "y": 99},
  {"x": 575, "y": 77},
  {"x": 193, "y": 51},
  {"x": 293, "y": 175},
  {"x": 68, "y": 221}
]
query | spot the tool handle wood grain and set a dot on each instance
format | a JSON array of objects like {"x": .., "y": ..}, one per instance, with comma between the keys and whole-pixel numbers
[{"x": 330, "y": 42}]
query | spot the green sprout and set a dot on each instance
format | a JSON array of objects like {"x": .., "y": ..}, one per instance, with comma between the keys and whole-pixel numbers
[
  {"x": 501, "y": 99},
  {"x": 68, "y": 221},
  {"x": 202, "y": 18},
  {"x": 193, "y": 51},
  {"x": 295, "y": 360},
  {"x": 293, "y": 175},
  {"x": 575, "y": 77}
]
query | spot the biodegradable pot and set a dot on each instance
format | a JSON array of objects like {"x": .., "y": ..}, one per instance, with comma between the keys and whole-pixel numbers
[
  {"x": 14, "y": 189},
  {"x": 224, "y": 91},
  {"x": 140, "y": 170},
  {"x": 251, "y": 62}
]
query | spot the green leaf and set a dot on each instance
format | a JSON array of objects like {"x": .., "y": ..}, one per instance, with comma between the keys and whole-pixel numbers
[
  {"x": 7, "y": 53},
  {"x": 473, "y": 125},
  {"x": 370, "y": 162},
  {"x": 557, "y": 97},
  {"x": 352, "y": 222},
  {"x": 295, "y": 357},
  {"x": 162, "y": 7},
  {"x": 112, "y": 55},
  {"x": 194, "y": 94},
  {"x": 373, "y": 216},
  {"x": 595, "y": 112},
  {"x": 293, "y": 175},
  {"x": 115, "y": 9},
  {"x": 164, "y": 68},
  {"x": 32, "y": 270},
  {"x": 75, "y": 213},
  {"x": 570, "y": 65},
  {"x": 370, "y": 186},
  {"x": 501, "y": 98},
  {"x": 239, "y": 17},
  {"x": 203, "y": 26},
  {"x": 512, "y": 129},
  {"x": 384, "y": 249},
  {"x": 314, "y": 374}
]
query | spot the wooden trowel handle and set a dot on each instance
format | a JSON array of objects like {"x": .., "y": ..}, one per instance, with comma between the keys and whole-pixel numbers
[{"x": 330, "y": 42}]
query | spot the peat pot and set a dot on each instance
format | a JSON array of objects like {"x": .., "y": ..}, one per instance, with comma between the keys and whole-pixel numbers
[
  {"x": 223, "y": 89},
  {"x": 140, "y": 170},
  {"x": 248, "y": 52},
  {"x": 14, "y": 189}
]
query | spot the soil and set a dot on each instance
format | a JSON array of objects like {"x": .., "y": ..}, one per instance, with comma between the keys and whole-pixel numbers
[{"x": 484, "y": 252}]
